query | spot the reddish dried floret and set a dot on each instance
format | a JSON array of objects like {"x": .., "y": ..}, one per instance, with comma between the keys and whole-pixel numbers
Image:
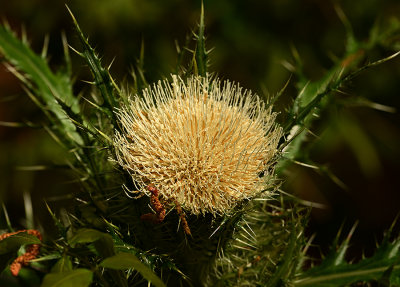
[{"x": 32, "y": 251}]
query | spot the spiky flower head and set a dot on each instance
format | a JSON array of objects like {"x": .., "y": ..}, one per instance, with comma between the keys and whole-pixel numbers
[{"x": 204, "y": 144}]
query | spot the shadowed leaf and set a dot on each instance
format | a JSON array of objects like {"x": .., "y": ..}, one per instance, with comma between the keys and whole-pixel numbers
[
  {"x": 336, "y": 271},
  {"x": 124, "y": 261},
  {"x": 86, "y": 235},
  {"x": 75, "y": 278},
  {"x": 62, "y": 265},
  {"x": 14, "y": 242}
]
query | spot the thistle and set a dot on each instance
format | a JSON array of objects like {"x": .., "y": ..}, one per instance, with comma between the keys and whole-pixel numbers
[
  {"x": 204, "y": 147},
  {"x": 204, "y": 144}
]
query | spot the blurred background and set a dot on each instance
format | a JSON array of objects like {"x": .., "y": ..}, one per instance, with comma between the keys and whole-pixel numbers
[{"x": 252, "y": 40}]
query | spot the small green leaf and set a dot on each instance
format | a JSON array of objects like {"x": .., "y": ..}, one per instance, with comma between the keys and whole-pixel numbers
[
  {"x": 105, "y": 246},
  {"x": 10, "y": 245},
  {"x": 51, "y": 256},
  {"x": 62, "y": 265},
  {"x": 103, "y": 242},
  {"x": 123, "y": 261},
  {"x": 75, "y": 278},
  {"x": 86, "y": 235},
  {"x": 14, "y": 242}
]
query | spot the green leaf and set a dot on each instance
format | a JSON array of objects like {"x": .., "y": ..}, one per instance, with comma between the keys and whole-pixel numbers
[
  {"x": 102, "y": 78},
  {"x": 311, "y": 90},
  {"x": 28, "y": 277},
  {"x": 62, "y": 265},
  {"x": 76, "y": 278},
  {"x": 51, "y": 88},
  {"x": 288, "y": 261},
  {"x": 14, "y": 242},
  {"x": 104, "y": 245},
  {"x": 124, "y": 261},
  {"x": 335, "y": 271},
  {"x": 10, "y": 245},
  {"x": 86, "y": 235},
  {"x": 311, "y": 96}
]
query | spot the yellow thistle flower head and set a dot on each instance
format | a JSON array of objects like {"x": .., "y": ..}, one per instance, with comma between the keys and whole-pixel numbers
[{"x": 204, "y": 144}]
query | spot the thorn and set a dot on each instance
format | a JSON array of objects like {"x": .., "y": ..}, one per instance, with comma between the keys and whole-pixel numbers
[
  {"x": 222, "y": 223},
  {"x": 76, "y": 51},
  {"x": 24, "y": 38},
  {"x": 88, "y": 82},
  {"x": 352, "y": 231},
  {"x": 45, "y": 46},
  {"x": 70, "y": 13},
  {"x": 7, "y": 217},
  {"x": 112, "y": 61}
]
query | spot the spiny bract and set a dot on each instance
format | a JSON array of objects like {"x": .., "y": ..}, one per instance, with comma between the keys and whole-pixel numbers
[{"x": 205, "y": 144}]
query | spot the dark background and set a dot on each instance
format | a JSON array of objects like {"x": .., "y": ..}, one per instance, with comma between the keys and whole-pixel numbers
[{"x": 251, "y": 40}]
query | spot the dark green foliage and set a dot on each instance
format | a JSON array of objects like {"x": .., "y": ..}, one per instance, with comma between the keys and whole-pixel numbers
[
  {"x": 259, "y": 243},
  {"x": 79, "y": 277},
  {"x": 49, "y": 89},
  {"x": 125, "y": 261},
  {"x": 62, "y": 265},
  {"x": 102, "y": 78},
  {"x": 315, "y": 96},
  {"x": 10, "y": 245},
  {"x": 265, "y": 248},
  {"x": 383, "y": 267},
  {"x": 14, "y": 242}
]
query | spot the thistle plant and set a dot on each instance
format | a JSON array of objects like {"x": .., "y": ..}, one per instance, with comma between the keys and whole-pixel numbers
[{"x": 180, "y": 180}]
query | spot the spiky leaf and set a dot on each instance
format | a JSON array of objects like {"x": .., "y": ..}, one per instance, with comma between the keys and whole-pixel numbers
[
  {"x": 102, "y": 77},
  {"x": 50, "y": 88},
  {"x": 336, "y": 271}
]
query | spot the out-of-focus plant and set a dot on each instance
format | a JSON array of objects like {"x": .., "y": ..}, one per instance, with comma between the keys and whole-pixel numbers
[{"x": 180, "y": 180}]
